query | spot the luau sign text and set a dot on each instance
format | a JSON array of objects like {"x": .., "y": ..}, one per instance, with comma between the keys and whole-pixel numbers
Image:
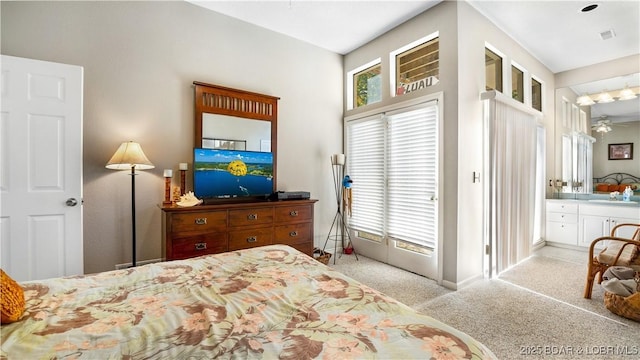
[{"x": 417, "y": 85}]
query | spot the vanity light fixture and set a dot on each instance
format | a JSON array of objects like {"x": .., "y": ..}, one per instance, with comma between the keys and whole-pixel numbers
[
  {"x": 585, "y": 100},
  {"x": 604, "y": 98},
  {"x": 627, "y": 94}
]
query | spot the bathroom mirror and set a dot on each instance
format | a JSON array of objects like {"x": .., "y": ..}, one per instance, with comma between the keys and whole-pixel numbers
[{"x": 618, "y": 120}]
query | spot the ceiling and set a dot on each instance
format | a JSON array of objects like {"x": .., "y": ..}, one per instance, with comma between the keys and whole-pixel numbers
[
  {"x": 557, "y": 33},
  {"x": 338, "y": 26}
]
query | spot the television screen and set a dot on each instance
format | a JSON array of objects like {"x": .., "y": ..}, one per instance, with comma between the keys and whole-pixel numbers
[{"x": 226, "y": 174}]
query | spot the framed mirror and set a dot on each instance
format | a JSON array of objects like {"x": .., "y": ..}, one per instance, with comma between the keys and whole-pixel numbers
[{"x": 232, "y": 119}]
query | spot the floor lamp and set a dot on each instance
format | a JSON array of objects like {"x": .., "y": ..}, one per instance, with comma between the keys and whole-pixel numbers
[
  {"x": 130, "y": 156},
  {"x": 338, "y": 225}
]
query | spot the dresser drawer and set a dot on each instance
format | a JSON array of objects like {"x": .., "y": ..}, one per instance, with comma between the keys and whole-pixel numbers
[
  {"x": 562, "y": 217},
  {"x": 292, "y": 234},
  {"x": 210, "y": 221},
  {"x": 243, "y": 239},
  {"x": 191, "y": 246},
  {"x": 248, "y": 217},
  {"x": 562, "y": 206},
  {"x": 293, "y": 213},
  {"x": 562, "y": 233}
]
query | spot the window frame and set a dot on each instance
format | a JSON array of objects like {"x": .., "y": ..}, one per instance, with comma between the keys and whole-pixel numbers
[
  {"x": 393, "y": 81},
  {"x": 525, "y": 87},
  {"x": 383, "y": 115},
  {"x": 536, "y": 79},
  {"x": 502, "y": 57},
  {"x": 351, "y": 95}
]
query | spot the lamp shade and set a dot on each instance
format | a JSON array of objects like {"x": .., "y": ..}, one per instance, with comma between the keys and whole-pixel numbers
[{"x": 129, "y": 155}]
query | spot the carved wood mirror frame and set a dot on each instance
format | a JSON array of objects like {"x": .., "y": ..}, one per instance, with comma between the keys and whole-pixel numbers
[{"x": 215, "y": 99}]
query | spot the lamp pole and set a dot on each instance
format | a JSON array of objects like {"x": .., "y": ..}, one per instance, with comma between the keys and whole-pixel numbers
[{"x": 133, "y": 214}]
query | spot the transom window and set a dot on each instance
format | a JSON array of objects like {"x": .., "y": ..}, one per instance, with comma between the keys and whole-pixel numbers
[
  {"x": 417, "y": 67},
  {"x": 367, "y": 86},
  {"x": 493, "y": 70},
  {"x": 536, "y": 94},
  {"x": 517, "y": 84}
]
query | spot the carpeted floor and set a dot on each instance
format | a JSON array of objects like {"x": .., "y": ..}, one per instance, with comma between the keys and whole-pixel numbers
[{"x": 534, "y": 310}]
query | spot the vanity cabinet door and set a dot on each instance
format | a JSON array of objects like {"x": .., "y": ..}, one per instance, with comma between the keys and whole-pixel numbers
[
  {"x": 598, "y": 220},
  {"x": 625, "y": 231},
  {"x": 592, "y": 227}
]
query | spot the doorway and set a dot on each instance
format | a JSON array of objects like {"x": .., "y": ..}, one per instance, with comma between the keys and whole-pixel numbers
[{"x": 393, "y": 160}]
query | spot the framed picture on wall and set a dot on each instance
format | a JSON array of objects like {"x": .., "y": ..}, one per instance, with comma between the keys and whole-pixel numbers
[{"x": 621, "y": 151}]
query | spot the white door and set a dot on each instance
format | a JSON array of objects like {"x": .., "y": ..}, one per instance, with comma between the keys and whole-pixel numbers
[
  {"x": 412, "y": 189},
  {"x": 394, "y": 164},
  {"x": 40, "y": 169}
]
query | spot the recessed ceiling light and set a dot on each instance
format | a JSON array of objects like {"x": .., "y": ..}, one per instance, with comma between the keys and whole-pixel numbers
[{"x": 589, "y": 8}]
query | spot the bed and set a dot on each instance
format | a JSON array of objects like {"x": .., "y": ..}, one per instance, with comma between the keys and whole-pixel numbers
[
  {"x": 616, "y": 182},
  {"x": 268, "y": 302}
]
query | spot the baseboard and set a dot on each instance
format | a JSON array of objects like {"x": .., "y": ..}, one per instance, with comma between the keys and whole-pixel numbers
[
  {"x": 462, "y": 284},
  {"x": 138, "y": 263}
]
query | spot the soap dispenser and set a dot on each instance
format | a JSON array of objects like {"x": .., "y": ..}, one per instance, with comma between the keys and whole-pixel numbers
[{"x": 626, "y": 194}]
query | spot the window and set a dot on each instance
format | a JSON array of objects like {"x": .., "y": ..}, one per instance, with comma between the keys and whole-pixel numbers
[
  {"x": 393, "y": 159},
  {"x": 536, "y": 94},
  {"x": 493, "y": 70},
  {"x": 517, "y": 84},
  {"x": 368, "y": 86},
  {"x": 417, "y": 65}
]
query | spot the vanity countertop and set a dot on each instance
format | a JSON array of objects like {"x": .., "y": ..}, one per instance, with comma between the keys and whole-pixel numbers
[{"x": 635, "y": 201}]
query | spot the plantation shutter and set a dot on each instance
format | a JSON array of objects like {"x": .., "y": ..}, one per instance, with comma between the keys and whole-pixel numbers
[
  {"x": 412, "y": 175},
  {"x": 365, "y": 144}
]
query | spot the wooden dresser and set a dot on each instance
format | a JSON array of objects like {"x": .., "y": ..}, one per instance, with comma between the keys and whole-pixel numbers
[{"x": 210, "y": 229}]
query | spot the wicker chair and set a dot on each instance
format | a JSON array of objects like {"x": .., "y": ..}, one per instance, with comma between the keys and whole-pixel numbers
[{"x": 618, "y": 252}]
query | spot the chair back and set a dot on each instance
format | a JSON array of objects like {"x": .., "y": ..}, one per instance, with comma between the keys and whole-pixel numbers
[{"x": 627, "y": 226}]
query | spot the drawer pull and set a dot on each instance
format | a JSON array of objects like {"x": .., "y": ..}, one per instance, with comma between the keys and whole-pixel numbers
[
  {"x": 201, "y": 246},
  {"x": 293, "y": 213},
  {"x": 252, "y": 217},
  {"x": 201, "y": 221},
  {"x": 252, "y": 239},
  {"x": 293, "y": 233}
]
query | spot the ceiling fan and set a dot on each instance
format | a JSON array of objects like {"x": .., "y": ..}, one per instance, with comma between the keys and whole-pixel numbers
[{"x": 603, "y": 125}]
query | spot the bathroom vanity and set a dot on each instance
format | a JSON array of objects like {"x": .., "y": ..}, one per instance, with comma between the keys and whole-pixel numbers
[{"x": 579, "y": 222}]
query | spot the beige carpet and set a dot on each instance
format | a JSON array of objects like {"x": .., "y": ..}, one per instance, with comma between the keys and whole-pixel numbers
[{"x": 533, "y": 311}]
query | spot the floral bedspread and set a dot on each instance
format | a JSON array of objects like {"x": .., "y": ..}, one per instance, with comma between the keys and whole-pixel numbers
[{"x": 268, "y": 302}]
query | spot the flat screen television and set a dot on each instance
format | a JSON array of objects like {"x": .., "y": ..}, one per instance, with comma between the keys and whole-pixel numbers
[{"x": 229, "y": 174}]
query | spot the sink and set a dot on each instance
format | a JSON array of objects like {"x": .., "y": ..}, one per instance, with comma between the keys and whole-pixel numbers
[{"x": 613, "y": 201}]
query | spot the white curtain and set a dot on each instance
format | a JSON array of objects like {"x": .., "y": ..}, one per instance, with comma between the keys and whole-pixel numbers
[{"x": 512, "y": 136}]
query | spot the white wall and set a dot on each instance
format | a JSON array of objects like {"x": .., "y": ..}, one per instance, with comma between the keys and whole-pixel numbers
[
  {"x": 463, "y": 33},
  {"x": 439, "y": 18},
  {"x": 140, "y": 60}
]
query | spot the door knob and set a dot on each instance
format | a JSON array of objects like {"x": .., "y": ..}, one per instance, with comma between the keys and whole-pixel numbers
[{"x": 72, "y": 202}]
